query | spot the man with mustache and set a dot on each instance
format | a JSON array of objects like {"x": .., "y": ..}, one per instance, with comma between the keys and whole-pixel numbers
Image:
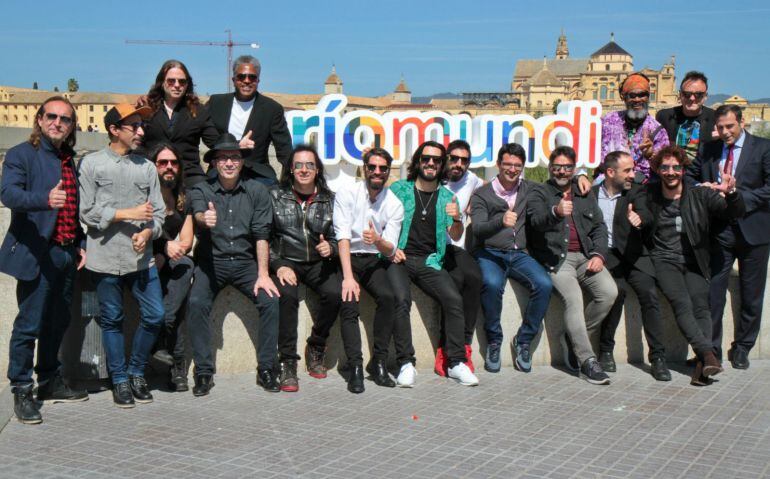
[
  {"x": 567, "y": 235},
  {"x": 367, "y": 221},
  {"x": 430, "y": 213}
]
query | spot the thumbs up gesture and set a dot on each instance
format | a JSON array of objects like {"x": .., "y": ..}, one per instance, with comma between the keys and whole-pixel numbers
[
  {"x": 210, "y": 216},
  {"x": 370, "y": 235},
  {"x": 323, "y": 247},
  {"x": 246, "y": 142},
  {"x": 453, "y": 209},
  {"x": 57, "y": 196},
  {"x": 633, "y": 217},
  {"x": 564, "y": 208},
  {"x": 509, "y": 218},
  {"x": 142, "y": 212}
]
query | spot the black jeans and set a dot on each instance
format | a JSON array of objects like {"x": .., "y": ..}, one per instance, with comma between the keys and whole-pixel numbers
[
  {"x": 210, "y": 278},
  {"x": 323, "y": 278},
  {"x": 644, "y": 286},
  {"x": 439, "y": 285},
  {"x": 176, "y": 280},
  {"x": 466, "y": 274},
  {"x": 388, "y": 284},
  {"x": 752, "y": 264},
  {"x": 688, "y": 293}
]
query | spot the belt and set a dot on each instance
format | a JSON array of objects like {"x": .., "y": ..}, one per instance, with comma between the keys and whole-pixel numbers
[
  {"x": 363, "y": 255},
  {"x": 68, "y": 242}
]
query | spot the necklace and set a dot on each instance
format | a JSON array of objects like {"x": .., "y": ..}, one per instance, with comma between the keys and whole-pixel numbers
[{"x": 424, "y": 211}]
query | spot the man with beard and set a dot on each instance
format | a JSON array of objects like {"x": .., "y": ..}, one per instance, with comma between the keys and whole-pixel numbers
[
  {"x": 40, "y": 250},
  {"x": 458, "y": 262},
  {"x": 175, "y": 268},
  {"x": 430, "y": 213},
  {"x": 233, "y": 217},
  {"x": 498, "y": 210},
  {"x": 367, "y": 221},
  {"x": 679, "y": 239},
  {"x": 632, "y": 130},
  {"x": 256, "y": 119},
  {"x": 122, "y": 206},
  {"x": 747, "y": 158},
  {"x": 691, "y": 124},
  {"x": 569, "y": 238},
  {"x": 625, "y": 213}
]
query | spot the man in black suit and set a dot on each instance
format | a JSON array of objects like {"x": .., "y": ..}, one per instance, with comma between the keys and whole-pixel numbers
[
  {"x": 691, "y": 124},
  {"x": 256, "y": 119},
  {"x": 747, "y": 158},
  {"x": 624, "y": 209}
]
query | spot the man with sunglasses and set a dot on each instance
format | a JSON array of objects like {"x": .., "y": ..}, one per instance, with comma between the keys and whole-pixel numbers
[
  {"x": 367, "y": 223},
  {"x": 256, "y": 119},
  {"x": 123, "y": 208},
  {"x": 430, "y": 214},
  {"x": 567, "y": 235},
  {"x": 691, "y": 124},
  {"x": 41, "y": 250},
  {"x": 233, "y": 217}
]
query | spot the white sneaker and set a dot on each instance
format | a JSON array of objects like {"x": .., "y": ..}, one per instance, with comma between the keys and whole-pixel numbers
[
  {"x": 406, "y": 376},
  {"x": 463, "y": 375}
]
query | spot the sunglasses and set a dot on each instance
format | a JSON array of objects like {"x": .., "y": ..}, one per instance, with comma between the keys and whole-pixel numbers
[
  {"x": 65, "y": 120},
  {"x": 172, "y": 81},
  {"x": 676, "y": 168},
  {"x": 381, "y": 168},
  {"x": 134, "y": 126},
  {"x": 459, "y": 159},
  {"x": 167, "y": 162},
  {"x": 697, "y": 94},
  {"x": 428, "y": 158},
  {"x": 567, "y": 168},
  {"x": 637, "y": 96},
  {"x": 308, "y": 166},
  {"x": 224, "y": 158},
  {"x": 243, "y": 76}
]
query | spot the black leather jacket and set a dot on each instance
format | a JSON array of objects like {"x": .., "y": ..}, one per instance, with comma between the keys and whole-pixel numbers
[
  {"x": 297, "y": 230},
  {"x": 699, "y": 207},
  {"x": 548, "y": 234}
]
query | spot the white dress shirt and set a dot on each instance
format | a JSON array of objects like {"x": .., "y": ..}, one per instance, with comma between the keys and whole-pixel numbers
[
  {"x": 353, "y": 210},
  {"x": 463, "y": 190}
]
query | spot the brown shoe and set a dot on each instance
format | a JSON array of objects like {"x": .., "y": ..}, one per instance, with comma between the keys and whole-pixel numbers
[
  {"x": 314, "y": 359},
  {"x": 711, "y": 365},
  {"x": 697, "y": 378}
]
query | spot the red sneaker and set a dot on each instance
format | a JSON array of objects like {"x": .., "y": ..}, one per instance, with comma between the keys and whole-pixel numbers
[
  {"x": 469, "y": 357},
  {"x": 440, "y": 367}
]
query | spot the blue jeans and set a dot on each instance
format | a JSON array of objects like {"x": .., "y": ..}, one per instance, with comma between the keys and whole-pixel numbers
[
  {"x": 145, "y": 287},
  {"x": 496, "y": 267},
  {"x": 44, "y": 314}
]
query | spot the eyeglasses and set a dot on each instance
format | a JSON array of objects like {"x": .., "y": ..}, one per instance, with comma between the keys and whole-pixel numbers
[
  {"x": 567, "y": 168},
  {"x": 167, "y": 162},
  {"x": 697, "y": 94},
  {"x": 243, "y": 76},
  {"x": 134, "y": 126},
  {"x": 172, "y": 81},
  {"x": 308, "y": 166},
  {"x": 511, "y": 166},
  {"x": 676, "y": 168},
  {"x": 635, "y": 96},
  {"x": 428, "y": 158},
  {"x": 233, "y": 158},
  {"x": 459, "y": 159},
  {"x": 65, "y": 120},
  {"x": 381, "y": 168}
]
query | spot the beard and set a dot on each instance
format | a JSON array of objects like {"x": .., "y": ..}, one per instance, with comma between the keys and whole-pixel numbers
[
  {"x": 637, "y": 115},
  {"x": 562, "y": 181},
  {"x": 426, "y": 176},
  {"x": 170, "y": 184},
  {"x": 374, "y": 186}
]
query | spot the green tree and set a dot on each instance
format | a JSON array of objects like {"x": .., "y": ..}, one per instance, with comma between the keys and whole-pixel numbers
[
  {"x": 556, "y": 104},
  {"x": 72, "y": 85}
]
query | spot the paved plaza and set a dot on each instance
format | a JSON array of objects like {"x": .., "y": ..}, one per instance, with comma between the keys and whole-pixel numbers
[{"x": 544, "y": 424}]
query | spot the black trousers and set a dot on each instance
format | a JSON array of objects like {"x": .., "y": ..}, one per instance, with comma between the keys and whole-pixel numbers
[
  {"x": 752, "y": 264},
  {"x": 439, "y": 285},
  {"x": 688, "y": 293},
  {"x": 466, "y": 274},
  {"x": 644, "y": 286},
  {"x": 323, "y": 278},
  {"x": 176, "y": 280},
  {"x": 388, "y": 284}
]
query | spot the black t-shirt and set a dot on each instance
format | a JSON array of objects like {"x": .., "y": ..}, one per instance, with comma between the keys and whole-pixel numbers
[
  {"x": 422, "y": 231},
  {"x": 670, "y": 240},
  {"x": 172, "y": 225}
]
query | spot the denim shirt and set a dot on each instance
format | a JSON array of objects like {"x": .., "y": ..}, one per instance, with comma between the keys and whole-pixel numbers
[{"x": 109, "y": 182}]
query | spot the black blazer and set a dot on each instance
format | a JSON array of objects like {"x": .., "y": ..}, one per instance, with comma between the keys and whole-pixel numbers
[
  {"x": 752, "y": 180},
  {"x": 185, "y": 133},
  {"x": 267, "y": 124},
  {"x": 671, "y": 118},
  {"x": 627, "y": 240}
]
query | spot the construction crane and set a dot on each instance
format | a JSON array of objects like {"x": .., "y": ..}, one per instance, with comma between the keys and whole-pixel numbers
[{"x": 229, "y": 44}]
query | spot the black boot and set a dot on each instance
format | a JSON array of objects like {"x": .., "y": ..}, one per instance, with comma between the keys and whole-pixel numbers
[
  {"x": 356, "y": 379},
  {"x": 24, "y": 405},
  {"x": 203, "y": 384},
  {"x": 55, "y": 390},
  {"x": 178, "y": 376},
  {"x": 379, "y": 374},
  {"x": 267, "y": 379}
]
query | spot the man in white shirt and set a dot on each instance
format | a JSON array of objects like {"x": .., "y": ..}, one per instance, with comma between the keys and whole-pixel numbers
[{"x": 367, "y": 222}]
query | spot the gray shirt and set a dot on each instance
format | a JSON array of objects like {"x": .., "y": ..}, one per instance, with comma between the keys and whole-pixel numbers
[{"x": 109, "y": 182}]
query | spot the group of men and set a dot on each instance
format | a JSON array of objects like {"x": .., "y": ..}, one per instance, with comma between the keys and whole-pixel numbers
[{"x": 665, "y": 210}]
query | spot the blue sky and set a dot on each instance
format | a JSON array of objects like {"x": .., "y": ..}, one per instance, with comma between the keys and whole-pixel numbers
[{"x": 439, "y": 46}]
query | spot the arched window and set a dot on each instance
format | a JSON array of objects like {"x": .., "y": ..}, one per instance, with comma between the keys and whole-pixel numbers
[
  {"x": 603, "y": 92},
  {"x": 607, "y": 67}
]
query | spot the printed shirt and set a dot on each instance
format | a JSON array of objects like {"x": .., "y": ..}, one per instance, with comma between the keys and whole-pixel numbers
[
  {"x": 67, "y": 216},
  {"x": 353, "y": 210},
  {"x": 616, "y": 137}
]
